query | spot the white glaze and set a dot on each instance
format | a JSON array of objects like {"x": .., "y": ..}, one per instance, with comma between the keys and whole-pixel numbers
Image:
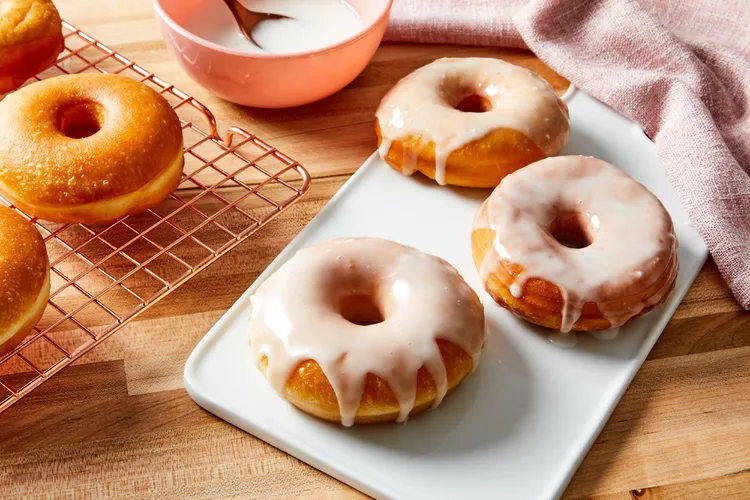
[
  {"x": 295, "y": 317},
  {"x": 568, "y": 340},
  {"x": 610, "y": 334},
  {"x": 564, "y": 340},
  {"x": 314, "y": 24},
  {"x": 422, "y": 105},
  {"x": 634, "y": 244}
]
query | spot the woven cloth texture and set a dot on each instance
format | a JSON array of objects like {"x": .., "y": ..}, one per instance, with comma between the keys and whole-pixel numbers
[{"x": 680, "y": 69}]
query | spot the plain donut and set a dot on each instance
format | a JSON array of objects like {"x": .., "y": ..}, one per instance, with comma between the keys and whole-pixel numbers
[
  {"x": 30, "y": 40},
  {"x": 24, "y": 278},
  {"x": 88, "y": 148}
]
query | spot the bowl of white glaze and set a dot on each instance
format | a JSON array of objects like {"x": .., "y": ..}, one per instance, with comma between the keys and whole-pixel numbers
[{"x": 323, "y": 47}]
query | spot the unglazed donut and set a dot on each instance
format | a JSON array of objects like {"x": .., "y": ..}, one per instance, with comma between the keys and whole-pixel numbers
[
  {"x": 365, "y": 330},
  {"x": 470, "y": 122},
  {"x": 24, "y": 278},
  {"x": 573, "y": 243},
  {"x": 30, "y": 40},
  {"x": 88, "y": 148}
]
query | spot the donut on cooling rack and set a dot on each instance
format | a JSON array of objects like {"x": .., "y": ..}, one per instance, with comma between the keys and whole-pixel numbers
[
  {"x": 470, "y": 122},
  {"x": 573, "y": 243},
  {"x": 88, "y": 148},
  {"x": 30, "y": 40},
  {"x": 24, "y": 278},
  {"x": 365, "y": 330}
]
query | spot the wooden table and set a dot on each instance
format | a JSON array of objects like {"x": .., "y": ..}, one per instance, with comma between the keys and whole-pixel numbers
[{"x": 119, "y": 423}]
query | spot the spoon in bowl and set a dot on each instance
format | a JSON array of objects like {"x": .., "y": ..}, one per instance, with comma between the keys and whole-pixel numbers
[{"x": 247, "y": 19}]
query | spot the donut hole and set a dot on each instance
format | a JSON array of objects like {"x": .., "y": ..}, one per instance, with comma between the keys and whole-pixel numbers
[
  {"x": 573, "y": 230},
  {"x": 82, "y": 119},
  {"x": 361, "y": 309},
  {"x": 474, "y": 103}
]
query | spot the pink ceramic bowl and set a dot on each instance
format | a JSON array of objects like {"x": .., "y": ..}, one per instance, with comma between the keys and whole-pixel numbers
[{"x": 272, "y": 80}]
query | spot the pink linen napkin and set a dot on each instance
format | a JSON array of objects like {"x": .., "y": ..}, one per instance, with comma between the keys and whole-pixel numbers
[{"x": 681, "y": 69}]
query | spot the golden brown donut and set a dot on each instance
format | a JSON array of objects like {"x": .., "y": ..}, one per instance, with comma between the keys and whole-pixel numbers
[
  {"x": 88, "y": 148},
  {"x": 30, "y": 40},
  {"x": 364, "y": 330},
  {"x": 573, "y": 243},
  {"x": 309, "y": 390},
  {"x": 470, "y": 121},
  {"x": 24, "y": 278}
]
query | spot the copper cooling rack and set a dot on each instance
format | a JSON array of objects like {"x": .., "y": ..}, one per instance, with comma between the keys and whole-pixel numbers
[{"x": 103, "y": 276}]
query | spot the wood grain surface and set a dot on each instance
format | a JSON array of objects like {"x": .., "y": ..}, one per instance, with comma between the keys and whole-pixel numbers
[{"x": 119, "y": 424}]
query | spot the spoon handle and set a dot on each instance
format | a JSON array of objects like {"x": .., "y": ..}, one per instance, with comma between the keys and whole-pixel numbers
[
  {"x": 247, "y": 19},
  {"x": 240, "y": 14}
]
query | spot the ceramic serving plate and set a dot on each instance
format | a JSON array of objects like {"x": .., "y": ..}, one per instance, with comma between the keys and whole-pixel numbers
[{"x": 521, "y": 424}]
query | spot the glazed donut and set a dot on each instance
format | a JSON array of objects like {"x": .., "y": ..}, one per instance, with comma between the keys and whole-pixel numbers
[
  {"x": 470, "y": 122},
  {"x": 30, "y": 40},
  {"x": 24, "y": 278},
  {"x": 88, "y": 148},
  {"x": 365, "y": 330},
  {"x": 573, "y": 243}
]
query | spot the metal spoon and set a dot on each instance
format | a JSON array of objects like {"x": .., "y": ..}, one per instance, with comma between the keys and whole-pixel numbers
[{"x": 247, "y": 19}]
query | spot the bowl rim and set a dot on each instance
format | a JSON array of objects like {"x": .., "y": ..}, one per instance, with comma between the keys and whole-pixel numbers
[{"x": 387, "y": 4}]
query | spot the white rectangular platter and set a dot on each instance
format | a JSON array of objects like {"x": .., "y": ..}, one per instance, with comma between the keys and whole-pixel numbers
[{"x": 521, "y": 424}]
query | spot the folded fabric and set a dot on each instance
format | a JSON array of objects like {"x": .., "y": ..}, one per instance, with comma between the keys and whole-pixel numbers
[{"x": 679, "y": 69}]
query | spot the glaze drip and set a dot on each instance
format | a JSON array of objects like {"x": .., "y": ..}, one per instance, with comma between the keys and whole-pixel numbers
[
  {"x": 631, "y": 261},
  {"x": 564, "y": 340},
  {"x": 424, "y": 105},
  {"x": 296, "y": 316},
  {"x": 610, "y": 334}
]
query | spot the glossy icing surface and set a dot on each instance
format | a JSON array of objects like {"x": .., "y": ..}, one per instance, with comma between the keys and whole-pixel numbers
[
  {"x": 423, "y": 104},
  {"x": 300, "y": 313},
  {"x": 632, "y": 243},
  {"x": 312, "y": 25}
]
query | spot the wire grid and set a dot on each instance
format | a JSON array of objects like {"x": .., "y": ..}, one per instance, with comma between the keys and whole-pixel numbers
[{"x": 103, "y": 276}]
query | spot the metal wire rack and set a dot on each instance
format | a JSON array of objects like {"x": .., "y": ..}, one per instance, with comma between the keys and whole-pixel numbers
[{"x": 103, "y": 276}]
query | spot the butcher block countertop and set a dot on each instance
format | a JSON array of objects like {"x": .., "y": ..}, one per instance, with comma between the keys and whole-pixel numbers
[{"x": 119, "y": 423}]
